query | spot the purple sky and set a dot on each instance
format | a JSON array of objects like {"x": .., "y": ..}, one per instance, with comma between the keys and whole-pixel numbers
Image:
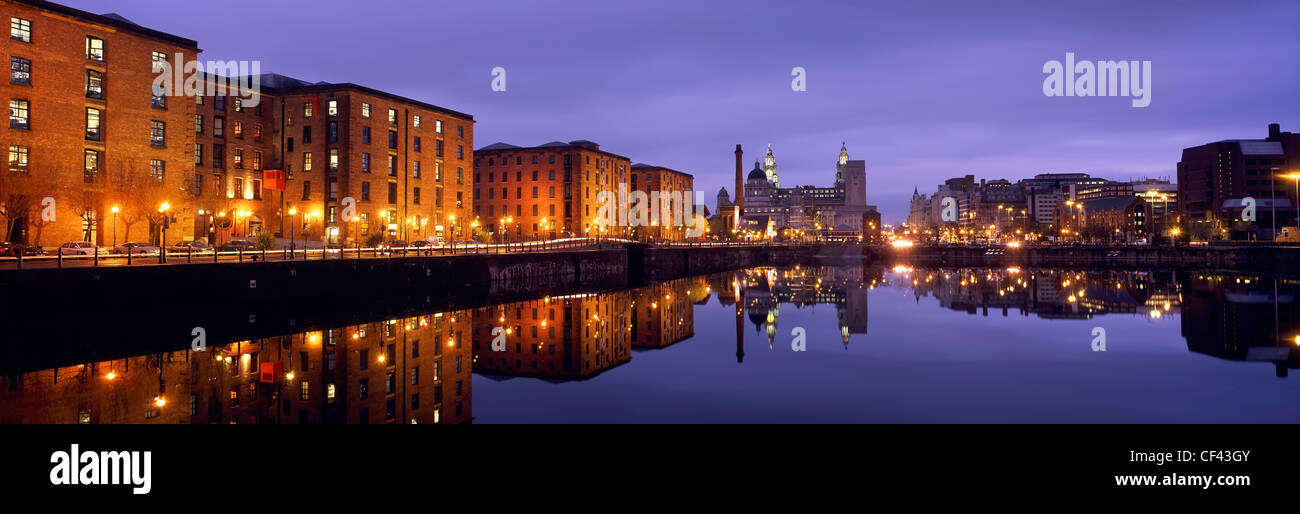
[{"x": 920, "y": 90}]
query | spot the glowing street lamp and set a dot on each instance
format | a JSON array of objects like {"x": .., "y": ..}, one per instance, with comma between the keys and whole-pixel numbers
[
  {"x": 293, "y": 211},
  {"x": 1295, "y": 177},
  {"x": 114, "y": 209}
]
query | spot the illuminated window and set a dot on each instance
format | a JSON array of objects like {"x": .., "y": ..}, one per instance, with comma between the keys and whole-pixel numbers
[
  {"x": 19, "y": 114},
  {"x": 18, "y": 159},
  {"x": 94, "y": 48},
  {"x": 20, "y": 29},
  {"x": 92, "y": 124}
]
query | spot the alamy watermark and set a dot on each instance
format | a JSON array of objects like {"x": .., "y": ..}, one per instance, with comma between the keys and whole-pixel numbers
[
  {"x": 627, "y": 208},
  {"x": 1100, "y": 78},
  {"x": 209, "y": 78}
]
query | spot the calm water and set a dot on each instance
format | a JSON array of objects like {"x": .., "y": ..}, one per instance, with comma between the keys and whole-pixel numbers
[{"x": 880, "y": 345}]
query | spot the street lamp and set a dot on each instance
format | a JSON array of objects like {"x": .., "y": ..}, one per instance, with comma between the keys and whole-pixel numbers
[
  {"x": 293, "y": 211},
  {"x": 306, "y": 219},
  {"x": 162, "y": 229},
  {"x": 114, "y": 209},
  {"x": 1295, "y": 177}
]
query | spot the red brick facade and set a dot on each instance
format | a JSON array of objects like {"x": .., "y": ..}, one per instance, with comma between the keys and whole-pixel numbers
[
  {"x": 545, "y": 191},
  {"x": 85, "y": 67},
  {"x": 204, "y": 158}
]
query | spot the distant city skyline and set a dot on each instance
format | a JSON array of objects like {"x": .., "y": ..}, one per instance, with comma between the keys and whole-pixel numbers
[{"x": 918, "y": 91}]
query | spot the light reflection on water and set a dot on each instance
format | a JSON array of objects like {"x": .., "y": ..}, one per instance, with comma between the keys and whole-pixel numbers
[{"x": 882, "y": 345}]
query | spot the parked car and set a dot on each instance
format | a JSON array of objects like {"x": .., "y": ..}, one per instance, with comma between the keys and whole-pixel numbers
[
  {"x": 15, "y": 249},
  {"x": 77, "y": 248},
  {"x": 135, "y": 249},
  {"x": 235, "y": 245},
  {"x": 190, "y": 246},
  {"x": 421, "y": 244}
]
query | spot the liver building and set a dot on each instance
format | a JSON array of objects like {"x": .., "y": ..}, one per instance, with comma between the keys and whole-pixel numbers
[{"x": 770, "y": 208}]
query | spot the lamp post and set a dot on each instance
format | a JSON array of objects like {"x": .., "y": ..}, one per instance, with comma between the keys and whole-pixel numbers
[
  {"x": 162, "y": 229},
  {"x": 293, "y": 211},
  {"x": 451, "y": 233},
  {"x": 114, "y": 209},
  {"x": 306, "y": 219},
  {"x": 221, "y": 215},
  {"x": 1295, "y": 177},
  {"x": 1273, "y": 191}
]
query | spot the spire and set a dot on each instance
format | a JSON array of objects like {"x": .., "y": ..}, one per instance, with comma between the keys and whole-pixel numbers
[
  {"x": 841, "y": 164},
  {"x": 769, "y": 167}
]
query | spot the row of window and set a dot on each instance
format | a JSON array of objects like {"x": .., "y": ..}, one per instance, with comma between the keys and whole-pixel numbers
[
  {"x": 20, "y": 118},
  {"x": 219, "y": 157},
  {"x": 519, "y": 176},
  {"x": 20, "y": 72},
  {"x": 332, "y": 110},
  {"x": 519, "y": 211},
  {"x": 20, "y": 160},
  {"x": 505, "y": 161},
  {"x": 519, "y": 193},
  {"x": 601, "y": 164},
  {"x": 219, "y": 128},
  {"x": 20, "y": 29},
  {"x": 219, "y": 104}
]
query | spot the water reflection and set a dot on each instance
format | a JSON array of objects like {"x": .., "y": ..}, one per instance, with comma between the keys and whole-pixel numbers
[
  {"x": 418, "y": 369},
  {"x": 414, "y": 370}
]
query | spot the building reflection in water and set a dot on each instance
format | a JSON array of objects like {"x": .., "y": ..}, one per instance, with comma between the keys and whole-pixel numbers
[
  {"x": 580, "y": 336},
  {"x": 412, "y": 370},
  {"x": 761, "y": 293},
  {"x": 1239, "y": 318},
  {"x": 418, "y": 369}
]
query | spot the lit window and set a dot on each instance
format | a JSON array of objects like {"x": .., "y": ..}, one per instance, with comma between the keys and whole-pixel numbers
[
  {"x": 18, "y": 159},
  {"x": 19, "y": 114},
  {"x": 94, "y": 48},
  {"x": 92, "y": 124},
  {"x": 20, "y": 29}
]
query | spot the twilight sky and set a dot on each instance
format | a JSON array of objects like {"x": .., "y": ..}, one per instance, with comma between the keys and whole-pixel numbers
[{"x": 921, "y": 90}]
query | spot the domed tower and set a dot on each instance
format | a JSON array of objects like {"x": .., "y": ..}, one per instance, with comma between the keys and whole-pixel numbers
[
  {"x": 841, "y": 165},
  {"x": 769, "y": 167}
]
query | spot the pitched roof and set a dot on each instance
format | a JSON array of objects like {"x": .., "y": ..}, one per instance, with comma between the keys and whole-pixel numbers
[
  {"x": 497, "y": 146},
  {"x": 111, "y": 20}
]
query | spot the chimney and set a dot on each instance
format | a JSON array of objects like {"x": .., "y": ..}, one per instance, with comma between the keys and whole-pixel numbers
[
  {"x": 740, "y": 184},
  {"x": 1274, "y": 132}
]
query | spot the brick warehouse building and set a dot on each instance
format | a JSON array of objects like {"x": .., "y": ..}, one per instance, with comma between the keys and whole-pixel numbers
[
  {"x": 85, "y": 128},
  {"x": 647, "y": 178},
  {"x": 404, "y": 161},
  {"x": 545, "y": 191}
]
